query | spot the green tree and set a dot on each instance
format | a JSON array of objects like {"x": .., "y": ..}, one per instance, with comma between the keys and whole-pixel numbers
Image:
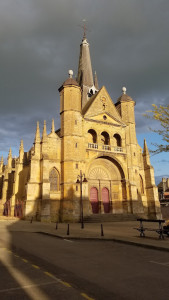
[{"x": 160, "y": 114}]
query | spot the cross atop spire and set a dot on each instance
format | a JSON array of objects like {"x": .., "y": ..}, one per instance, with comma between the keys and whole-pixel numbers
[{"x": 84, "y": 29}]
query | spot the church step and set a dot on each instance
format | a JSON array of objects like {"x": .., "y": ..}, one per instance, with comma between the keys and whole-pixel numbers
[{"x": 97, "y": 218}]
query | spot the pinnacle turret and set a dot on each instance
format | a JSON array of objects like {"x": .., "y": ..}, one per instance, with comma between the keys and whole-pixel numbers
[
  {"x": 21, "y": 151},
  {"x": 21, "y": 146},
  {"x": 1, "y": 164},
  {"x": 10, "y": 153},
  {"x": 44, "y": 134},
  {"x": 53, "y": 126},
  {"x": 10, "y": 158},
  {"x": 145, "y": 150},
  {"x": 146, "y": 154},
  {"x": 37, "y": 135}
]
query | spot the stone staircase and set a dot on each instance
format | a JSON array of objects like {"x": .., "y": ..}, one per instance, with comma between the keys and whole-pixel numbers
[{"x": 99, "y": 218}]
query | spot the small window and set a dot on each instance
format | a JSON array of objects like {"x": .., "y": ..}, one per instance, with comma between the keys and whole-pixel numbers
[
  {"x": 75, "y": 122},
  {"x": 76, "y": 166},
  {"x": 104, "y": 117},
  {"x": 76, "y": 188},
  {"x": 76, "y": 145}
]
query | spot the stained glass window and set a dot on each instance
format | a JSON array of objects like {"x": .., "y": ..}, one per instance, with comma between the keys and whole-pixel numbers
[{"x": 54, "y": 180}]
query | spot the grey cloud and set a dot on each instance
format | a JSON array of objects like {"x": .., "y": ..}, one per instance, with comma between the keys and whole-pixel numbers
[{"x": 40, "y": 41}]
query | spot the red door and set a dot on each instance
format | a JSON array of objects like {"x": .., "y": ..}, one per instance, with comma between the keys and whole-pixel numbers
[
  {"x": 105, "y": 199},
  {"x": 94, "y": 200}
]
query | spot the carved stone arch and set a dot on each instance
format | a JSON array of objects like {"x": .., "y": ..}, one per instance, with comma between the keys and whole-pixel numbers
[
  {"x": 115, "y": 162},
  {"x": 92, "y": 136},
  {"x": 117, "y": 139},
  {"x": 98, "y": 172},
  {"x": 110, "y": 158},
  {"x": 54, "y": 179},
  {"x": 105, "y": 138}
]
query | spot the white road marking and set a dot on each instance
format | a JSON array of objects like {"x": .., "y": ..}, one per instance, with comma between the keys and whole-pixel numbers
[
  {"x": 68, "y": 241},
  {"x": 27, "y": 286}
]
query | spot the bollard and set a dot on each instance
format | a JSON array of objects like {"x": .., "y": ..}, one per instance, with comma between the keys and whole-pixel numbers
[
  {"x": 82, "y": 225},
  {"x": 56, "y": 225},
  {"x": 102, "y": 233},
  {"x": 67, "y": 229},
  {"x": 31, "y": 220}
]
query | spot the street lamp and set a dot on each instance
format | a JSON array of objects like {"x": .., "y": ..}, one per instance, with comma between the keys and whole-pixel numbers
[{"x": 80, "y": 180}]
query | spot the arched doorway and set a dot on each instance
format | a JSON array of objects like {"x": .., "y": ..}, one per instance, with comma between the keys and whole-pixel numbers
[
  {"x": 107, "y": 176},
  {"x": 94, "y": 200},
  {"x": 105, "y": 200}
]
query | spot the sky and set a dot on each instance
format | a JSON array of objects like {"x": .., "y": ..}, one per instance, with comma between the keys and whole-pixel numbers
[{"x": 40, "y": 41}]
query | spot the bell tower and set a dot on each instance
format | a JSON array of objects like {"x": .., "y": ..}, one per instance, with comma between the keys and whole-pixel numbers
[{"x": 72, "y": 146}]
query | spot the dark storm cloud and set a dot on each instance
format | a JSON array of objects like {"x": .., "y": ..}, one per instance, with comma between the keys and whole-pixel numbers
[{"x": 40, "y": 41}]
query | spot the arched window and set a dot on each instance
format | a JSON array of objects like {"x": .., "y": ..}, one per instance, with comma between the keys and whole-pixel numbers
[
  {"x": 54, "y": 180},
  {"x": 105, "y": 139},
  {"x": 141, "y": 185},
  {"x": 117, "y": 140},
  {"x": 92, "y": 136}
]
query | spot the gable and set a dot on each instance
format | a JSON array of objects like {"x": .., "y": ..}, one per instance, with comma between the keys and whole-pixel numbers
[
  {"x": 101, "y": 104},
  {"x": 105, "y": 118}
]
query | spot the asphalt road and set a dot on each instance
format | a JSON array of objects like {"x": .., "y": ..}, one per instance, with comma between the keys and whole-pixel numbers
[{"x": 37, "y": 266}]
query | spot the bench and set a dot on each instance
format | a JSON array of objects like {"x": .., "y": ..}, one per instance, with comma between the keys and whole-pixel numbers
[{"x": 159, "y": 230}]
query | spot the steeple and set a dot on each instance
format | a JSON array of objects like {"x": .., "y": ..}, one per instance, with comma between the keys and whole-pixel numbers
[{"x": 85, "y": 74}]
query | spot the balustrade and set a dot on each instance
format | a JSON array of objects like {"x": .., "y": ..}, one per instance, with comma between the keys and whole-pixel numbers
[{"x": 104, "y": 147}]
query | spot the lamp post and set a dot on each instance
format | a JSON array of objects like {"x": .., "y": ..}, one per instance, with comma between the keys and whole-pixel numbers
[{"x": 80, "y": 180}]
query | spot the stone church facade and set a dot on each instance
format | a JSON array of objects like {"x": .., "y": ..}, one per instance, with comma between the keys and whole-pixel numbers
[{"x": 97, "y": 140}]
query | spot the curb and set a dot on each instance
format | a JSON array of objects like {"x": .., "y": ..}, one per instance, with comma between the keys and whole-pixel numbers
[{"x": 107, "y": 240}]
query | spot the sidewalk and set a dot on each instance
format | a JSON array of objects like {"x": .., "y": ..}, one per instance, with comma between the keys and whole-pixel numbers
[{"x": 121, "y": 232}]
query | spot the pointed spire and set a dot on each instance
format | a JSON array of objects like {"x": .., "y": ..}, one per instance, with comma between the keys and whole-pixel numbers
[
  {"x": 21, "y": 146},
  {"x": 37, "y": 135},
  {"x": 2, "y": 159},
  {"x": 10, "y": 158},
  {"x": 145, "y": 151},
  {"x": 21, "y": 152},
  {"x": 1, "y": 164},
  {"x": 53, "y": 126},
  {"x": 96, "y": 81},
  {"x": 146, "y": 154},
  {"x": 85, "y": 74},
  {"x": 44, "y": 134},
  {"x": 10, "y": 153}
]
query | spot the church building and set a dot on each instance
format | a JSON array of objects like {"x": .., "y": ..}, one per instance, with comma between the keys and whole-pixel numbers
[{"x": 92, "y": 165}]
